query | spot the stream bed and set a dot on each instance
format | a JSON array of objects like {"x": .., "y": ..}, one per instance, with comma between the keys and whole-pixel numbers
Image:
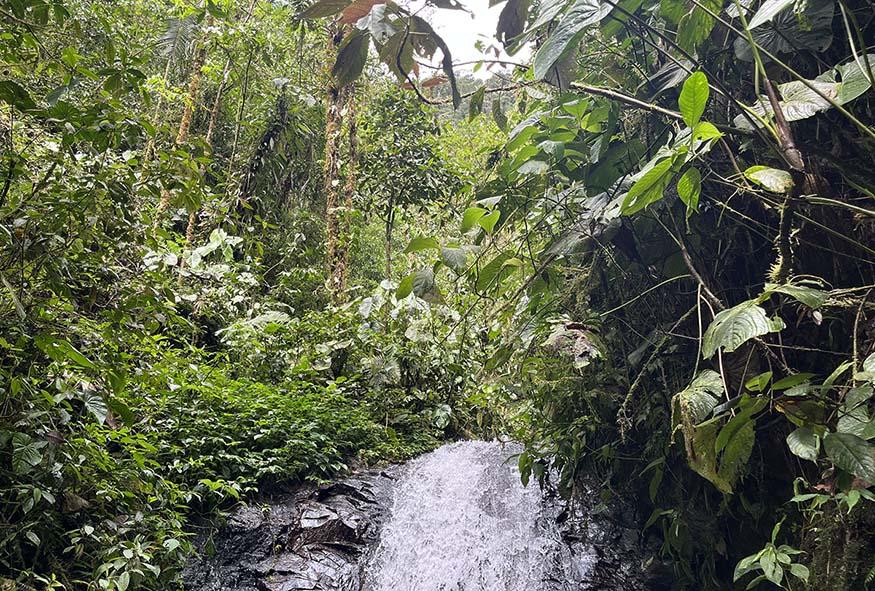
[{"x": 455, "y": 519}]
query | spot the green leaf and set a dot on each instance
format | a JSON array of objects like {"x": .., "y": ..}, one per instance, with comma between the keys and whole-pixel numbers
[
  {"x": 475, "y": 103},
  {"x": 512, "y": 21},
  {"x": 733, "y": 327},
  {"x": 567, "y": 34},
  {"x": 804, "y": 443},
  {"x": 96, "y": 405},
  {"x": 61, "y": 350},
  {"x": 689, "y": 189},
  {"x": 852, "y": 454},
  {"x": 494, "y": 272},
  {"x": 772, "y": 179},
  {"x": 759, "y": 383},
  {"x": 767, "y": 11},
  {"x": 498, "y": 115},
  {"x": 799, "y": 571},
  {"x": 423, "y": 282},
  {"x": 693, "y": 98},
  {"x": 811, "y": 297},
  {"x": 351, "y": 57},
  {"x": 649, "y": 188},
  {"x": 25, "y": 453},
  {"x": 455, "y": 258},
  {"x": 471, "y": 216},
  {"x": 854, "y": 412},
  {"x": 14, "y": 94},
  {"x": 422, "y": 243},
  {"x": 487, "y": 222},
  {"x": 324, "y": 8},
  {"x": 405, "y": 288}
]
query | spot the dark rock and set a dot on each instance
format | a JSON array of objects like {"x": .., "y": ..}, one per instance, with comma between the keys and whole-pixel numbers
[{"x": 305, "y": 540}]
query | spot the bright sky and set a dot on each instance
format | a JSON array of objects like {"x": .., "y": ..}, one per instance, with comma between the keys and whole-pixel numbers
[{"x": 461, "y": 30}]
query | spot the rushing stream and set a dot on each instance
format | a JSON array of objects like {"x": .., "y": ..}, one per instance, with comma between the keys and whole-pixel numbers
[
  {"x": 461, "y": 520},
  {"x": 456, "y": 519}
]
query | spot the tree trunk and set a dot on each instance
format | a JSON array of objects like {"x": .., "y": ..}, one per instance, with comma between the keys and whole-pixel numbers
[
  {"x": 338, "y": 194},
  {"x": 185, "y": 124}
]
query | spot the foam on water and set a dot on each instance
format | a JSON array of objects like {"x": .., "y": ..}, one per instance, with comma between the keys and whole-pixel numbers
[{"x": 461, "y": 520}]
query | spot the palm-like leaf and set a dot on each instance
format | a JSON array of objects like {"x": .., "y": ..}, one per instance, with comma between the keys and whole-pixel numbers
[{"x": 178, "y": 38}]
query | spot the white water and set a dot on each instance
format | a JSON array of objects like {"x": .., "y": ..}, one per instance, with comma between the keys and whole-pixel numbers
[{"x": 461, "y": 520}]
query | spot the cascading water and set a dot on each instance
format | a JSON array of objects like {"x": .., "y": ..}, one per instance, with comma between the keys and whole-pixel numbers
[{"x": 461, "y": 520}]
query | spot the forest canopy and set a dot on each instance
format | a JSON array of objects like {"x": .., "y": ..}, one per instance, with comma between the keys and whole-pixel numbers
[{"x": 247, "y": 244}]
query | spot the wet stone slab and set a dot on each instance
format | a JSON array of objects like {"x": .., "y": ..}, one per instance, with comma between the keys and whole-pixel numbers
[{"x": 312, "y": 539}]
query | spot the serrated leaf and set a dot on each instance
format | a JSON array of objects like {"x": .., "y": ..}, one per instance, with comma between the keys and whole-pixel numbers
[
  {"x": 852, "y": 454},
  {"x": 471, "y": 216},
  {"x": 733, "y": 327},
  {"x": 804, "y": 443},
  {"x": 772, "y": 179},
  {"x": 567, "y": 34},
  {"x": 693, "y": 98},
  {"x": 689, "y": 189},
  {"x": 421, "y": 243}
]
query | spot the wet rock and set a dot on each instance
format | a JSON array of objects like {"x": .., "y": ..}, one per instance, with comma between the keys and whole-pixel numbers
[{"x": 311, "y": 539}]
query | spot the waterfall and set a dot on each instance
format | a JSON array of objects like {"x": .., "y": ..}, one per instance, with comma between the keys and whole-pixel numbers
[{"x": 461, "y": 520}]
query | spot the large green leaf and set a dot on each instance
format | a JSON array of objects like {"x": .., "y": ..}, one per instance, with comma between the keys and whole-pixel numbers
[
  {"x": 696, "y": 24},
  {"x": 767, "y": 11},
  {"x": 13, "y": 93},
  {"x": 421, "y": 243},
  {"x": 852, "y": 454},
  {"x": 787, "y": 32},
  {"x": 25, "y": 453},
  {"x": 96, "y": 405},
  {"x": 693, "y": 98},
  {"x": 772, "y": 179},
  {"x": 649, "y": 187},
  {"x": 854, "y": 412},
  {"x": 733, "y": 327},
  {"x": 804, "y": 443},
  {"x": 471, "y": 216},
  {"x": 689, "y": 189},
  {"x": 811, "y": 297},
  {"x": 855, "y": 78},
  {"x": 324, "y": 8},
  {"x": 455, "y": 258},
  {"x": 582, "y": 14},
  {"x": 351, "y": 57},
  {"x": 62, "y": 350}
]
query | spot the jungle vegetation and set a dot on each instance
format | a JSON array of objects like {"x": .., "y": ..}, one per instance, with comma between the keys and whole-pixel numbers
[{"x": 252, "y": 243}]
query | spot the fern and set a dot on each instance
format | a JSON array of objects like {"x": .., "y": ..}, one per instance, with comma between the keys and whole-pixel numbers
[{"x": 178, "y": 38}]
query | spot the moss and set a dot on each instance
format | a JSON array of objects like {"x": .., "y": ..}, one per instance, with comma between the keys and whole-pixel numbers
[{"x": 842, "y": 548}]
